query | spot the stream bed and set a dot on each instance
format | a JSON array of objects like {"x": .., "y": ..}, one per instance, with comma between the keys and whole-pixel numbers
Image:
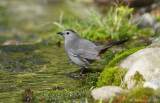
[
  {"x": 38, "y": 67},
  {"x": 34, "y": 63}
]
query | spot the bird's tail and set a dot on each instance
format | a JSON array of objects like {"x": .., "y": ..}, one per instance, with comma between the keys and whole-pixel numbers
[{"x": 103, "y": 49}]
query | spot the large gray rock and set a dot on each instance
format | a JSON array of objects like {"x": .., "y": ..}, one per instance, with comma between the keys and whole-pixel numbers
[
  {"x": 145, "y": 61},
  {"x": 145, "y": 10},
  {"x": 146, "y": 20},
  {"x": 106, "y": 92},
  {"x": 156, "y": 28}
]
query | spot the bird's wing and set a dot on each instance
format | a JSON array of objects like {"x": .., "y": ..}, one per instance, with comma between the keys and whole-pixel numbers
[
  {"x": 85, "y": 49},
  {"x": 84, "y": 53}
]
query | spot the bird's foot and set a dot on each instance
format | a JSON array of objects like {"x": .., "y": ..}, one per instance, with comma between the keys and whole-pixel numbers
[{"x": 75, "y": 76}]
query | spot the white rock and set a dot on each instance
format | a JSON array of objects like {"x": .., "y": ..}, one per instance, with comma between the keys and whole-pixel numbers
[
  {"x": 156, "y": 81},
  {"x": 150, "y": 85},
  {"x": 155, "y": 44},
  {"x": 106, "y": 92},
  {"x": 145, "y": 61}
]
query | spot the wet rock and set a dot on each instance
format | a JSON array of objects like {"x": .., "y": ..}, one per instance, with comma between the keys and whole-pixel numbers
[
  {"x": 143, "y": 65},
  {"x": 12, "y": 42},
  {"x": 106, "y": 92},
  {"x": 156, "y": 28},
  {"x": 44, "y": 42},
  {"x": 57, "y": 88},
  {"x": 146, "y": 20},
  {"x": 28, "y": 96}
]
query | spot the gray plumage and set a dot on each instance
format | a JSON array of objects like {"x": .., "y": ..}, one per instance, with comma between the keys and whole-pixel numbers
[{"x": 83, "y": 52}]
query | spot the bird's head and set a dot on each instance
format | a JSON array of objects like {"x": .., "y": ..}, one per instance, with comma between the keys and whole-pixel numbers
[{"x": 68, "y": 34}]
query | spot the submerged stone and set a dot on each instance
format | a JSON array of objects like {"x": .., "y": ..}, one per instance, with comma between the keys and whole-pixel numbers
[
  {"x": 12, "y": 42},
  {"x": 28, "y": 95},
  {"x": 106, "y": 92}
]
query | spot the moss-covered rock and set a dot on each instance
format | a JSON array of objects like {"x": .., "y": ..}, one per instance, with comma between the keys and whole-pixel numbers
[
  {"x": 123, "y": 55},
  {"x": 141, "y": 95},
  {"x": 113, "y": 75},
  {"x": 138, "y": 78},
  {"x": 156, "y": 97},
  {"x": 144, "y": 63}
]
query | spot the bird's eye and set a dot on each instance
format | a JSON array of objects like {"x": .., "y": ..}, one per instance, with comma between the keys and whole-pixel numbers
[{"x": 67, "y": 33}]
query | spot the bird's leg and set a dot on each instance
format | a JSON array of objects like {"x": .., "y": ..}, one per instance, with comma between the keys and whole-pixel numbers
[
  {"x": 76, "y": 76},
  {"x": 81, "y": 73}
]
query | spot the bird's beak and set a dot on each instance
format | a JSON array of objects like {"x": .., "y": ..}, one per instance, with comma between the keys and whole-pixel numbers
[{"x": 60, "y": 33}]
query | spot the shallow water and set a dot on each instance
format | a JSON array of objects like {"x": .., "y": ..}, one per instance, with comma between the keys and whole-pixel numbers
[{"x": 40, "y": 68}]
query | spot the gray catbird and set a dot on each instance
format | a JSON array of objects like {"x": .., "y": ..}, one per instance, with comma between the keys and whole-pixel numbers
[{"x": 83, "y": 52}]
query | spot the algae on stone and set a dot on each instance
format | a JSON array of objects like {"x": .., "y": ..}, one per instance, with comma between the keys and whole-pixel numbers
[
  {"x": 68, "y": 96},
  {"x": 112, "y": 75},
  {"x": 141, "y": 95},
  {"x": 122, "y": 56},
  {"x": 155, "y": 98},
  {"x": 138, "y": 78}
]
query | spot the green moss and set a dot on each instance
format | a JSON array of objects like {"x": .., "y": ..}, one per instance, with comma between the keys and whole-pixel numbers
[
  {"x": 68, "y": 96},
  {"x": 90, "y": 80},
  {"x": 113, "y": 75},
  {"x": 141, "y": 95},
  {"x": 156, "y": 97},
  {"x": 145, "y": 31},
  {"x": 123, "y": 55},
  {"x": 138, "y": 78},
  {"x": 109, "y": 55}
]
